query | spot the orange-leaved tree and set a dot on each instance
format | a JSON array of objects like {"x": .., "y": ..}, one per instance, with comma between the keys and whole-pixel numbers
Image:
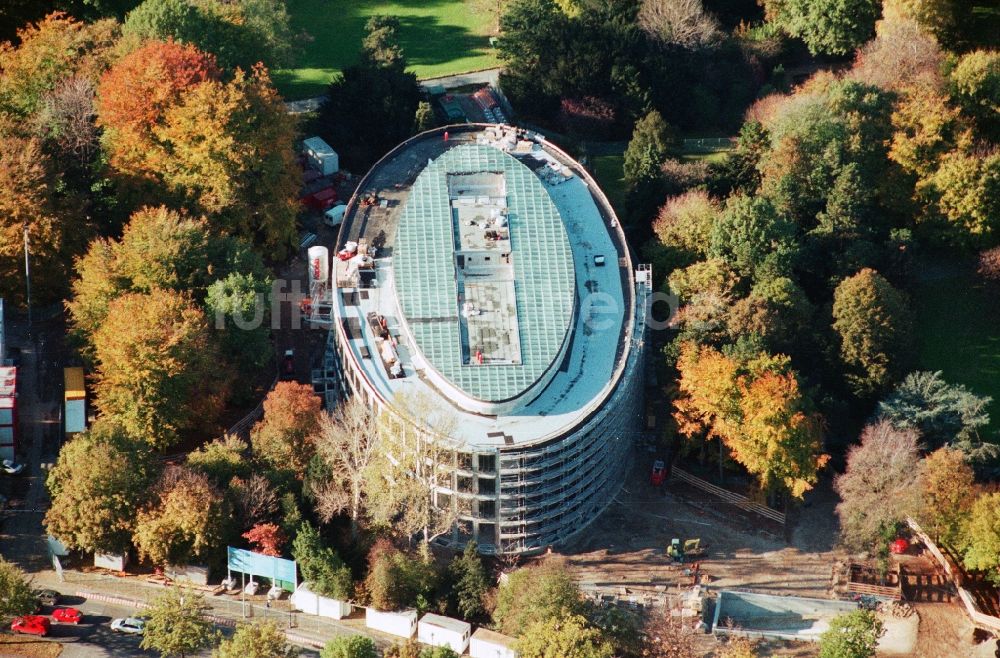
[{"x": 285, "y": 437}]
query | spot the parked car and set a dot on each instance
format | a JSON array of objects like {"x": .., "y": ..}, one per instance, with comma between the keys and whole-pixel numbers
[
  {"x": 658, "y": 474},
  {"x": 9, "y": 467},
  {"x": 31, "y": 625},
  {"x": 47, "y": 596},
  {"x": 129, "y": 626},
  {"x": 67, "y": 615},
  {"x": 288, "y": 365}
]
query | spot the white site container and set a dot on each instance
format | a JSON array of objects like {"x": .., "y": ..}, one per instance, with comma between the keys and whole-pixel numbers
[
  {"x": 439, "y": 631},
  {"x": 400, "y": 624},
  {"x": 321, "y": 157},
  {"x": 111, "y": 561},
  {"x": 488, "y": 644},
  {"x": 310, "y": 603}
]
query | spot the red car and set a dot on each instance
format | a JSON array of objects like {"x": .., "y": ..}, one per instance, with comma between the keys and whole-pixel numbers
[
  {"x": 67, "y": 615},
  {"x": 32, "y": 625},
  {"x": 659, "y": 473}
]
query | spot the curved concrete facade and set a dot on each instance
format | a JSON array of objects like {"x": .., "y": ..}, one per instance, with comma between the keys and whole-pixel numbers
[{"x": 535, "y": 476}]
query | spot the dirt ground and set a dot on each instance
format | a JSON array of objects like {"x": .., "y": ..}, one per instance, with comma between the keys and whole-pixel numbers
[{"x": 623, "y": 555}]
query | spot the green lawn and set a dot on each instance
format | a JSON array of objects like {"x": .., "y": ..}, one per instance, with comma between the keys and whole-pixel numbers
[
  {"x": 439, "y": 37},
  {"x": 607, "y": 169},
  {"x": 959, "y": 332}
]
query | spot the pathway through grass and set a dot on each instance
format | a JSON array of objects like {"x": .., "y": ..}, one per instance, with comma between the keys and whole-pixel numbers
[{"x": 439, "y": 37}]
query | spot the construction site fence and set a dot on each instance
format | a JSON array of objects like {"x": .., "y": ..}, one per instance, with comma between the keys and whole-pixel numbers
[
  {"x": 708, "y": 144},
  {"x": 730, "y": 497},
  {"x": 968, "y": 602},
  {"x": 224, "y": 610}
]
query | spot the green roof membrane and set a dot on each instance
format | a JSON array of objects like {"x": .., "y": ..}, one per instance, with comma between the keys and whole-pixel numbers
[{"x": 424, "y": 270}]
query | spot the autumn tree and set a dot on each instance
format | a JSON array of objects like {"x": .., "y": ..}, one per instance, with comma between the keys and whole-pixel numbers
[
  {"x": 541, "y": 593},
  {"x": 156, "y": 367},
  {"x": 256, "y": 640},
  {"x": 965, "y": 193},
  {"x": 558, "y": 637},
  {"x": 228, "y": 149},
  {"x": 28, "y": 206},
  {"x": 47, "y": 52},
  {"x": 16, "y": 595},
  {"x": 739, "y": 647},
  {"x": 320, "y": 565},
  {"x": 981, "y": 536},
  {"x": 134, "y": 95},
  {"x": 948, "y": 490},
  {"x": 975, "y": 83},
  {"x": 682, "y": 23},
  {"x": 879, "y": 487},
  {"x": 398, "y": 580},
  {"x": 186, "y": 521},
  {"x": 254, "y": 499},
  {"x": 285, "y": 437},
  {"x": 664, "y": 636},
  {"x": 94, "y": 496},
  {"x": 685, "y": 223},
  {"x": 347, "y": 441},
  {"x": 266, "y": 538},
  {"x": 852, "y": 634},
  {"x": 177, "y": 623},
  {"x": 414, "y": 462},
  {"x": 875, "y": 326},
  {"x": 756, "y": 410}
]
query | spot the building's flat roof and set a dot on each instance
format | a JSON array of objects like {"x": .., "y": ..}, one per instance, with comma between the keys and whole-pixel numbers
[
  {"x": 529, "y": 325},
  {"x": 486, "y": 635},
  {"x": 582, "y": 378},
  {"x": 455, "y": 625}
]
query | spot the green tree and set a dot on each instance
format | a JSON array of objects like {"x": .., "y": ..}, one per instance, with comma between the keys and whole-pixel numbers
[
  {"x": 320, "y": 564},
  {"x": 424, "y": 118},
  {"x": 186, "y": 521},
  {"x": 542, "y": 593},
  {"x": 948, "y": 490},
  {"x": 832, "y": 27},
  {"x": 263, "y": 640},
  {"x": 157, "y": 373},
  {"x": 879, "y": 487},
  {"x": 349, "y": 646},
  {"x": 16, "y": 595},
  {"x": 97, "y": 483},
  {"x": 370, "y": 107},
  {"x": 563, "y": 637},
  {"x": 852, "y": 634},
  {"x": 751, "y": 237},
  {"x": 238, "y": 304},
  {"x": 471, "y": 583},
  {"x": 239, "y": 33},
  {"x": 875, "y": 326},
  {"x": 177, "y": 625},
  {"x": 943, "y": 413},
  {"x": 438, "y": 652},
  {"x": 651, "y": 142},
  {"x": 222, "y": 459}
]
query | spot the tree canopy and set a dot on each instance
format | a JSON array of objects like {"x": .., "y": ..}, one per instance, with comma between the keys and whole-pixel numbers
[
  {"x": 177, "y": 625},
  {"x": 256, "y": 640},
  {"x": 542, "y": 594}
]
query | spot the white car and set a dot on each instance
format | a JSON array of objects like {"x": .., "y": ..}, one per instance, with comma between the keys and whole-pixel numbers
[
  {"x": 129, "y": 625},
  {"x": 10, "y": 468}
]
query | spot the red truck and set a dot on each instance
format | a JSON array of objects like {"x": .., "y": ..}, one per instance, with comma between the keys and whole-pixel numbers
[{"x": 320, "y": 200}]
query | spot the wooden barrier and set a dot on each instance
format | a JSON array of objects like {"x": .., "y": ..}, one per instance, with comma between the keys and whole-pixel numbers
[
  {"x": 977, "y": 617},
  {"x": 742, "y": 502}
]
